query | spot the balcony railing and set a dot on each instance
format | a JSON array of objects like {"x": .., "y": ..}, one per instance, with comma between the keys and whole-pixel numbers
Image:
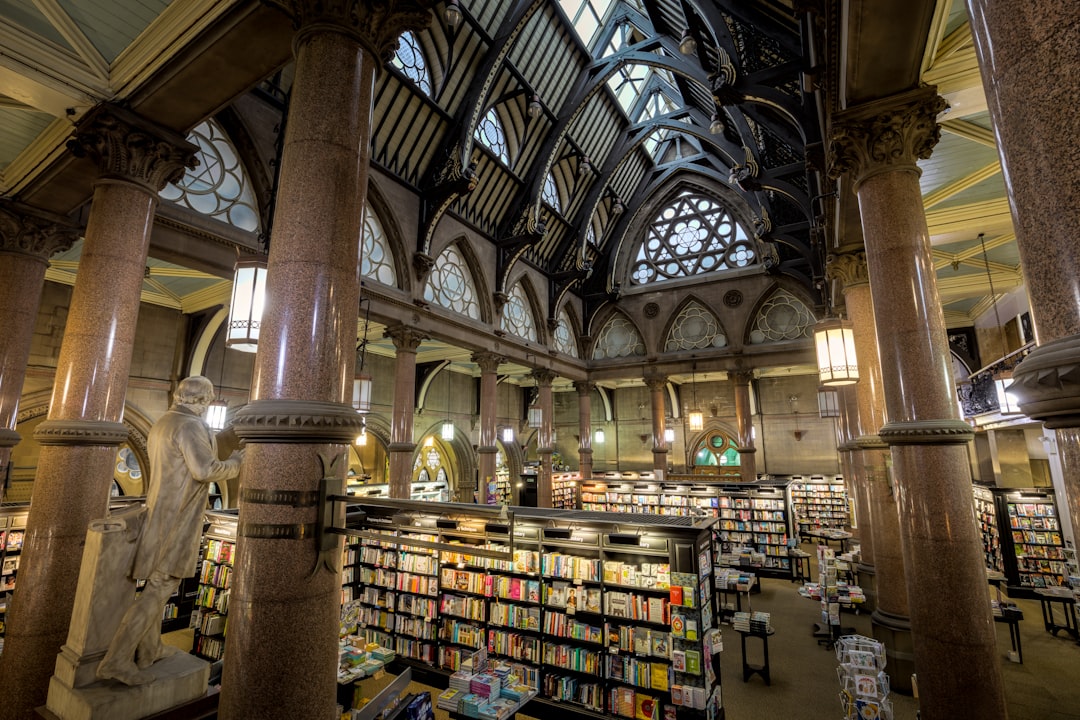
[{"x": 980, "y": 394}]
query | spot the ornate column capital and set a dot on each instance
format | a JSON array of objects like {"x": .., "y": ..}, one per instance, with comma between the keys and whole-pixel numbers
[
  {"x": 297, "y": 421},
  {"x": 741, "y": 377},
  {"x": 128, "y": 147},
  {"x": 656, "y": 382},
  {"x": 37, "y": 234},
  {"x": 847, "y": 268},
  {"x": 405, "y": 338},
  {"x": 544, "y": 377},
  {"x": 584, "y": 387},
  {"x": 376, "y": 26},
  {"x": 886, "y": 135},
  {"x": 489, "y": 362},
  {"x": 1046, "y": 383}
]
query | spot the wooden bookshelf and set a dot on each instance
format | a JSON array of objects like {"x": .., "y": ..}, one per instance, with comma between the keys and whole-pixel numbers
[
  {"x": 986, "y": 519},
  {"x": 1032, "y": 542},
  {"x": 819, "y": 502},
  {"x": 211, "y": 613},
  {"x": 12, "y": 535}
]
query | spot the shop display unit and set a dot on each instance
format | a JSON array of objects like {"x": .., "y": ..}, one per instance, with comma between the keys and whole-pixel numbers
[
  {"x": 986, "y": 520},
  {"x": 211, "y": 611},
  {"x": 599, "y": 616},
  {"x": 1033, "y": 546},
  {"x": 564, "y": 490},
  {"x": 819, "y": 502},
  {"x": 12, "y": 534},
  {"x": 429, "y": 490}
]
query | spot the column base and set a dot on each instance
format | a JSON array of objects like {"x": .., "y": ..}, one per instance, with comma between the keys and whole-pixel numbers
[
  {"x": 178, "y": 679},
  {"x": 894, "y": 631},
  {"x": 867, "y": 576}
]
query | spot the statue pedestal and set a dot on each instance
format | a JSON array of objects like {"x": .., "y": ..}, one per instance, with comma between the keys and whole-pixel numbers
[{"x": 177, "y": 680}]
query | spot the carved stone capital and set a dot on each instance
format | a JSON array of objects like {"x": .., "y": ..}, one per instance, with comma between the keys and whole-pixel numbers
[
  {"x": 871, "y": 442},
  {"x": 297, "y": 421},
  {"x": 128, "y": 147},
  {"x": 376, "y": 25},
  {"x": 422, "y": 264},
  {"x": 927, "y": 432},
  {"x": 9, "y": 438},
  {"x": 34, "y": 233},
  {"x": 741, "y": 377},
  {"x": 80, "y": 432},
  {"x": 847, "y": 268},
  {"x": 489, "y": 362},
  {"x": 746, "y": 450},
  {"x": 656, "y": 382},
  {"x": 499, "y": 299},
  {"x": 405, "y": 338},
  {"x": 544, "y": 377},
  {"x": 884, "y": 136},
  {"x": 584, "y": 387},
  {"x": 1046, "y": 383},
  {"x": 486, "y": 450}
]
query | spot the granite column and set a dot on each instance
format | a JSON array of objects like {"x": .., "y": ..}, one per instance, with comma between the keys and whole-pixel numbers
[
  {"x": 1036, "y": 131},
  {"x": 744, "y": 421},
  {"x": 84, "y": 426},
  {"x": 545, "y": 439},
  {"x": 890, "y": 618},
  {"x": 489, "y": 393},
  {"x": 284, "y": 606},
  {"x": 660, "y": 448},
  {"x": 878, "y": 144},
  {"x": 28, "y": 238},
  {"x": 585, "y": 451},
  {"x": 406, "y": 342}
]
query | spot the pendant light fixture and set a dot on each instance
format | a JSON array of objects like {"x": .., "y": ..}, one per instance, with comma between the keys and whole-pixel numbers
[
  {"x": 834, "y": 340},
  {"x": 695, "y": 418},
  {"x": 598, "y": 436},
  {"x": 361, "y": 399},
  {"x": 217, "y": 410},
  {"x": 508, "y": 430},
  {"x": 448, "y": 426},
  {"x": 828, "y": 400}
]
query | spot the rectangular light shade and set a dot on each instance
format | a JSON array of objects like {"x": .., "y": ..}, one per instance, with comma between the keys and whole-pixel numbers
[
  {"x": 696, "y": 420},
  {"x": 508, "y": 434},
  {"x": 447, "y": 430},
  {"x": 598, "y": 436},
  {"x": 361, "y": 439},
  {"x": 246, "y": 307},
  {"x": 536, "y": 416},
  {"x": 361, "y": 392},
  {"x": 828, "y": 403},
  {"x": 669, "y": 435},
  {"x": 215, "y": 414},
  {"x": 835, "y": 343}
]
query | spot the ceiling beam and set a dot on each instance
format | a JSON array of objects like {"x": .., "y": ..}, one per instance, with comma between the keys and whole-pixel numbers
[
  {"x": 969, "y": 218},
  {"x": 970, "y": 131},
  {"x": 958, "y": 186}
]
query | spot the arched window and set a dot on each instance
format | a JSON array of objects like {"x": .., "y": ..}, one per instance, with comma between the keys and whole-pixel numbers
[
  {"x": 695, "y": 328},
  {"x": 717, "y": 454},
  {"x": 551, "y": 193},
  {"x": 491, "y": 135},
  {"x": 218, "y": 186},
  {"x": 376, "y": 261},
  {"x": 517, "y": 318},
  {"x": 451, "y": 285},
  {"x": 564, "y": 335},
  {"x": 782, "y": 317},
  {"x": 691, "y": 236},
  {"x": 618, "y": 338},
  {"x": 410, "y": 60}
]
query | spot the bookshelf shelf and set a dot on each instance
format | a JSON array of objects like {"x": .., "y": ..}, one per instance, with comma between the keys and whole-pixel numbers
[
  {"x": 819, "y": 502},
  {"x": 1032, "y": 543}
]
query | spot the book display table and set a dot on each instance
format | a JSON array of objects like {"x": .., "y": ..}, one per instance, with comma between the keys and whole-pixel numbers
[
  {"x": 1064, "y": 596},
  {"x": 749, "y": 670},
  {"x": 824, "y": 535},
  {"x": 800, "y": 565}
]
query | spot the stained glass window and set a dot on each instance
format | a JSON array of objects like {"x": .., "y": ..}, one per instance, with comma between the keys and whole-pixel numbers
[
  {"x": 490, "y": 133},
  {"x": 782, "y": 317},
  {"x": 618, "y": 338},
  {"x": 517, "y": 318},
  {"x": 691, "y": 236},
  {"x": 551, "y": 193},
  {"x": 695, "y": 328},
  {"x": 376, "y": 261},
  {"x": 410, "y": 60},
  {"x": 218, "y": 186},
  {"x": 564, "y": 335},
  {"x": 451, "y": 285}
]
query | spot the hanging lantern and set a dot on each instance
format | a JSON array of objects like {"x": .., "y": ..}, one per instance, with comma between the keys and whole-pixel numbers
[
  {"x": 828, "y": 402},
  {"x": 508, "y": 434},
  {"x": 447, "y": 431},
  {"x": 361, "y": 392},
  {"x": 361, "y": 439},
  {"x": 246, "y": 307},
  {"x": 696, "y": 420},
  {"x": 599, "y": 435},
  {"x": 215, "y": 414},
  {"x": 669, "y": 435},
  {"x": 835, "y": 343},
  {"x": 536, "y": 416}
]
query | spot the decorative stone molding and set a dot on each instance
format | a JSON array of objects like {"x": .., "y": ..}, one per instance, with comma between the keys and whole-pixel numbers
[
  {"x": 927, "y": 432},
  {"x": 376, "y": 26},
  {"x": 80, "y": 432},
  {"x": 733, "y": 298},
  {"x": 401, "y": 447},
  {"x": 656, "y": 383},
  {"x": 1046, "y": 383},
  {"x": 741, "y": 377},
  {"x": 489, "y": 362},
  {"x": 884, "y": 136},
  {"x": 405, "y": 338},
  {"x": 848, "y": 269},
  {"x": 292, "y": 498},
  {"x": 9, "y": 438},
  {"x": 544, "y": 377},
  {"x": 749, "y": 450},
  {"x": 584, "y": 387},
  {"x": 871, "y": 442},
  {"x": 422, "y": 264},
  {"x": 276, "y": 531},
  {"x": 131, "y": 148},
  {"x": 34, "y": 233},
  {"x": 297, "y": 421}
]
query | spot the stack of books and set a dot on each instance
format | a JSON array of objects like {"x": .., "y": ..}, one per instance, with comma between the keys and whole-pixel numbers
[
  {"x": 740, "y": 621},
  {"x": 450, "y": 700},
  {"x": 759, "y": 622}
]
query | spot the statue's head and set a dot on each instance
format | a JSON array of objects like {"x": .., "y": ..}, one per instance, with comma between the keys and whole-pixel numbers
[{"x": 195, "y": 393}]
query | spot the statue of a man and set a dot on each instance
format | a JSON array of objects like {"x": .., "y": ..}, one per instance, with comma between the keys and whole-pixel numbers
[{"x": 183, "y": 463}]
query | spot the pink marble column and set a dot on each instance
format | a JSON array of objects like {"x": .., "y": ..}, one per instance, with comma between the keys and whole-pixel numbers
[
  {"x": 84, "y": 427},
  {"x": 890, "y": 618},
  {"x": 656, "y": 387},
  {"x": 585, "y": 452},
  {"x": 489, "y": 393},
  {"x": 1036, "y": 131},
  {"x": 284, "y": 607},
  {"x": 744, "y": 422},
  {"x": 406, "y": 342},
  {"x": 545, "y": 440},
  {"x": 878, "y": 144},
  {"x": 847, "y": 432},
  {"x": 28, "y": 238}
]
